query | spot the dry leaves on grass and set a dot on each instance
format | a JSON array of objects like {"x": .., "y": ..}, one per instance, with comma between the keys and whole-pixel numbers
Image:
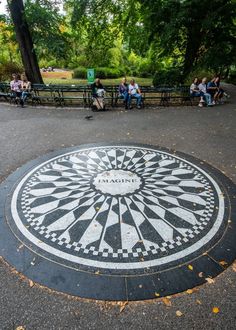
[
  {"x": 20, "y": 327},
  {"x": 178, "y": 313},
  {"x": 167, "y": 302}
]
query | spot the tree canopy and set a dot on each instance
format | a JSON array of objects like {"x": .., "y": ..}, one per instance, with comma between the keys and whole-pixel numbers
[{"x": 133, "y": 36}]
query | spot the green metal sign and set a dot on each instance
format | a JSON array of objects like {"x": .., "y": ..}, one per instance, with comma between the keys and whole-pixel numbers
[{"x": 90, "y": 75}]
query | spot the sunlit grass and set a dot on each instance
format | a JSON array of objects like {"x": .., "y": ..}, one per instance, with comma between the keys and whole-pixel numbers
[{"x": 65, "y": 77}]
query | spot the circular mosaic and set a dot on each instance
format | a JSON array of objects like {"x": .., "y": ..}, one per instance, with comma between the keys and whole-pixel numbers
[
  {"x": 105, "y": 216},
  {"x": 118, "y": 207}
]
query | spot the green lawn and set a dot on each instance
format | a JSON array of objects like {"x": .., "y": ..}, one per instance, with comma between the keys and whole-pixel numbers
[{"x": 140, "y": 81}]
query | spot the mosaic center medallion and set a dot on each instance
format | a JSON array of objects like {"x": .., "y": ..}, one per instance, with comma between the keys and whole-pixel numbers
[
  {"x": 117, "y": 182},
  {"x": 117, "y": 208}
]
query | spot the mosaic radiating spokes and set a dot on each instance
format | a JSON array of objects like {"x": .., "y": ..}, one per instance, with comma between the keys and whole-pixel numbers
[{"x": 172, "y": 206}]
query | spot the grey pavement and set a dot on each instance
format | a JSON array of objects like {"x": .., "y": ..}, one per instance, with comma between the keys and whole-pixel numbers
[{"x": 206, "y": 133}]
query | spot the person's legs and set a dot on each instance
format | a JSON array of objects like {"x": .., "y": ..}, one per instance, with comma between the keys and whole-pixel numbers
[
  {"x": 207, "y": 97},
  {"x": 138, "y": 99},
  {"x": 24, "y": 97},
  {"x": 126, "y": 99},
  {"x": 129, "y": 101}
]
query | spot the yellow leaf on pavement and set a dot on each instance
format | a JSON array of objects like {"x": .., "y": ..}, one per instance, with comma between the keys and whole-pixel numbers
[
  {"x": 215, "y": 310},
  {"x": 166, "y": 301},
  {"x": 178, "y": 313},
  {"x": 189, "y": 291},
  {"x": 234, "y": 266},
  {"x": 209, "y": 280},
  {"x": 190, "y": 267},
  {"x": 223, "y": 263},
  {"x": 123, "y": 304},
  {"x": 157, "y": 294}
]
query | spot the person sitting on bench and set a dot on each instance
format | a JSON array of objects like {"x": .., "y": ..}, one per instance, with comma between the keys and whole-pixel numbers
[
  {"x": 123, "y": 92},
  {"x": 98, "y": 93},
  {"x": 26, "y": 88},
  {"x": 134, "y": 91},
  {"x": 194, "y": 91},
  {"x": 16, "y": 88}
]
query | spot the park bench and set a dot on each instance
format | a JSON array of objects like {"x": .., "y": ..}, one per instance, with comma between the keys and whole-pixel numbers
[
  {"x": 44, "y": 94},
  {"x": 71, "y": 94},
  {"x": 63, "y": 95},
  {"x": 5, "y": 92}
]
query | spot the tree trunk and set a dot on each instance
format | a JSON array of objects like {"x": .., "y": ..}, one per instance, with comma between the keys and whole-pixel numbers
[
  {"x": 24, "y": 39},
  {"x": 192, "y": 49}
]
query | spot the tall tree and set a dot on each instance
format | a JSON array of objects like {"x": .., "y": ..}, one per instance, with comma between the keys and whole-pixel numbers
[
  {"x": 24, "y": 39},
  {"x": 192, "y": 31}
]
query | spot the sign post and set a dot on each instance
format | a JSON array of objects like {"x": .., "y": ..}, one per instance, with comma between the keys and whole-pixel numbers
[{"x": 90, "y": 75}]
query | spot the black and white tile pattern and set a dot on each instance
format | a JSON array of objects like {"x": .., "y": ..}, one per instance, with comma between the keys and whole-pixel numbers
[{"x": 118, "y": 207}]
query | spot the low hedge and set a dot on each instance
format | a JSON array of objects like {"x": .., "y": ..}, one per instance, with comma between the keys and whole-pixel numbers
[{"x": 102, "y": 73}]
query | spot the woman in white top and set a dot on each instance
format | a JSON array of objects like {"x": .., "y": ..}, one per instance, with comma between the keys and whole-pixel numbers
[
  {"x": 134, "y": 91},
  {"x": 194, "y": 91}
]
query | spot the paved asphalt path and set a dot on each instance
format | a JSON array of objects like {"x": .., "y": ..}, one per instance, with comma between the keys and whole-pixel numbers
[{"x": 207, "y": 133}]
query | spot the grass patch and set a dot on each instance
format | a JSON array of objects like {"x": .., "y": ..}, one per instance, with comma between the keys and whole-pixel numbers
[{"x": 58, "y": 79}]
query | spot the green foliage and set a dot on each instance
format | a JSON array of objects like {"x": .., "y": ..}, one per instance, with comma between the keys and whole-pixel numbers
[
  {"x": 80, "y": 73},
  {"x": 48, "y": 29},
  {"x": 170, "y": 77},
  {"x": 199, "y": 73},
  {"x": 101, "y": 72},
  {"x": 175, "y": 40},
  {"x": 232, "y": 75},
  {"x": 8, "y": 68}
]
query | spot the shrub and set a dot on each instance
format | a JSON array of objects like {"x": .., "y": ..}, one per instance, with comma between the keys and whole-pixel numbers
[
  {"x": 167, "y": 77},
  {"x": 80, "y": 73},
  {"x": 232, "y": 76},
  {"x": 102, "y": 73},
  {"x": 199, "y": 73},
  {"x": 8, "y": 68}
]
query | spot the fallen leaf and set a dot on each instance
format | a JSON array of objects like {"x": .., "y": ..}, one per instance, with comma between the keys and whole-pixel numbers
[
  {"x": 157, "y": 294},
  {"x": 97, "y": 272},
  {"x": 189, "y": 291},
  {"x": 178, "y": 313},
  {"x": 123, "y": 306},
  {"x": 209, "y": 280},
  {"x": 223, "y": 263},
  {"x": 190, "y": 267},
  {"x": 20, "y": 327},
  {"x": 234, "y": 266},
  {"x": 200, "y": 274},
  {"x": 198, "y": 302},
  {"x": 167, "y": 302},
  {"x": 31, "y": 283},
  {"x": 215, "y": 310}
]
